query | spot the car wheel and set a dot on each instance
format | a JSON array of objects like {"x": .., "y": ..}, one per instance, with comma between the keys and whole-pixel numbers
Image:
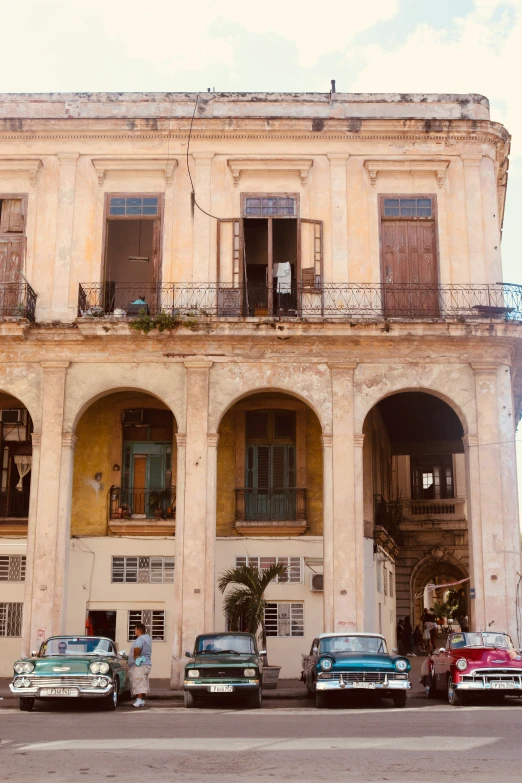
[
  {"x": 399, "y": 699},
  {"x": 321, "y": 700},
  {"x": 25, "y": 704},
  {"x": 429, "y": 687},
  {"x": 454, "y": 697},
  {"x": 190, "y": 700},
  {"x": 255, "y": 699},
  {"x": 110, "y": 702}
]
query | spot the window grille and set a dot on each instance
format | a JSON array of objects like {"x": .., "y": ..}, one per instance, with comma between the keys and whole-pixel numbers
[
  {"x": 153, "y": 620},
  {"x": 294, "y": 566},
  {"x": 408, "y": 207},
  {"x": 270, "y": 207},
  {"x": 12, "y": 568},
  {"x": 135, "y": 205},
  {"x": 284, "y": 619},
  {"x": 143, "y": 569},
  {"x": 11, "y": 619}
]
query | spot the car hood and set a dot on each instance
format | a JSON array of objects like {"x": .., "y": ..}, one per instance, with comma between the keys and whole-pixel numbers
[
  {"x": 362, "y": 661},
  {"x": 204, "y": 661},
  {"x": 487, "y": 656},
  {"x": 69, "y": 664}
]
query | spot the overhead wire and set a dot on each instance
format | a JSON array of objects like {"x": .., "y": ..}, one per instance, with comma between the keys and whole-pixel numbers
[{"x": 193, "y": 193}]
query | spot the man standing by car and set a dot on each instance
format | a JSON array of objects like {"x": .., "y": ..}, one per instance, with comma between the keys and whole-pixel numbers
[{"x": 140, "y": 663}]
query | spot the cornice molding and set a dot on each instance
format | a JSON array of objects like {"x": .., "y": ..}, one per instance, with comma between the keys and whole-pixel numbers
[
  {"x": 301, "y": 166},
  {"x": 134, "y": 163},
  {"x": 437, "y": 166},
  {"x": 18, "y": 165}
]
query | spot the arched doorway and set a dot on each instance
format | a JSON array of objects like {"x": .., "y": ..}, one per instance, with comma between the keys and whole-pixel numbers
[
  {"x": 430, "y": 580},
  {"x": 16, "y": 428},
  {"x": 414, "y": 502}
]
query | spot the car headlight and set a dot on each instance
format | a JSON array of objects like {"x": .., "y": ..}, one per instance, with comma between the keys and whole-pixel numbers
[
  {"x": 95, "y": 667},
  {"x": 250, "y": 672},
  {"x": 401, "y": 665},
  {"x": 103, "y": 667},
  {"x": 23, "y": 667},
  {"x": 193, "y": 673},
  {"x": 326, "y": 664},
  {"x": 461, "y": 664}
]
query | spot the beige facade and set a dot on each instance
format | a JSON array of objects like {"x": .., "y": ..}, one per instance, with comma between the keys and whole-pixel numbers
[{"x": 312, "y": 359}]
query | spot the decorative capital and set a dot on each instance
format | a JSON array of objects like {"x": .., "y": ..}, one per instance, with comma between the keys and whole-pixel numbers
[
  {"x": 262, "y": 163},
  {"x": 469, "y": 441},
  {"x": 181, "y": 439},
  {"x": 212, "y": 440},
  {"x": 69, "y": 440},
  {"x": 342, "y": 366},
  {"x": 358, "y": 440},
  {"x": 68, "y": 158},
  {"x": 198, "y": 365},
  {"x": 471, "y": 161},
  {"x": 54, "y": 368},
  {"x": 36, "y": 438},
  {"x": 485, "y": 369},
  {"x": 327, "y": 440}
]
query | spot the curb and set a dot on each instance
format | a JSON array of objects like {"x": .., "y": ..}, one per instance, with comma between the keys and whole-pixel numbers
[{"x": 282, "y": 695}]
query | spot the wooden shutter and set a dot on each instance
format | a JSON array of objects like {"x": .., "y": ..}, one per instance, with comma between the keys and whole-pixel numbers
[
  {"x": 12, "y": 218},
  {"x": 310, "y": 253},
  {"x": 229, "y": 256},
  {"x": 11, "y": 258},
  {"x": 263, "y": 467}
]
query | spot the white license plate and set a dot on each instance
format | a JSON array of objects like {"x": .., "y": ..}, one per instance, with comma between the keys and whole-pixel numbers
[
  {"x": 221, "y": 688},
  {"x": 506, "y": 685},
  {"x": 369, "y": 685},
  {"x": 59, "y": 692}
]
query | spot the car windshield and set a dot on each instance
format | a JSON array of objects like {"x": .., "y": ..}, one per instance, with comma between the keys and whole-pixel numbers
[
  {"x": 499, "y": 640},
  {"x": 338, "y": 644},
  {"x": 225, "y": 642},
  {"x": 76, "y": 645}
]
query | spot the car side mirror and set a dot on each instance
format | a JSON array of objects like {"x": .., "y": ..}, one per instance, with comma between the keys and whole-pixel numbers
[
  {"x": 34, "y": 654},
  {"x": 395, "y": 651},
  {"x": 315, "y": 650},
  {"x": 123, "y": 654},
  {"x": 188, "y": 654},
  {"x": 262, "y": 652},
  {"x": 441, "y": 649}
]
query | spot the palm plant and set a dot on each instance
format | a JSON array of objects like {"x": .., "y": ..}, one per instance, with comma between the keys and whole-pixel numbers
[{"x": 245, "y": 603}]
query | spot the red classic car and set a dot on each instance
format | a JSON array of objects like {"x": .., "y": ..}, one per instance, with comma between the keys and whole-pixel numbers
[{"x": 483, "y": 662}]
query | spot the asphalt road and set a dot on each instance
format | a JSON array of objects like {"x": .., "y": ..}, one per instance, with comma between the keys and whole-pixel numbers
[{"x": 427, "y": 741}]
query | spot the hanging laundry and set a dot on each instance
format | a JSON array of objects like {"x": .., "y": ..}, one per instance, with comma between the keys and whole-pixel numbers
[{"x": 284, "y": 278}]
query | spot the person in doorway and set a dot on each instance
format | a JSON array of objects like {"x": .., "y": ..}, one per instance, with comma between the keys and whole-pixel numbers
[
  {"x": 417, "y": 640},
  {"x": 464, "y": 624},
  {"x": 140, "y": 663},
  {"x": 407, "y": 637},
  {"x": 400, "y": 636}
]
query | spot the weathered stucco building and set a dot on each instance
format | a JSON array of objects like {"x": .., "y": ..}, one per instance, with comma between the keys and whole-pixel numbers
[{"x": 247, "y": 327}]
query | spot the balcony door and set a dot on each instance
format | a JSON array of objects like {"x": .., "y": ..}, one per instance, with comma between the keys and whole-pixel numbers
[
  {"x": 146, "y": 476},
  {"x": 270, "y": 480},
  {"x": 410, "y": 271}
]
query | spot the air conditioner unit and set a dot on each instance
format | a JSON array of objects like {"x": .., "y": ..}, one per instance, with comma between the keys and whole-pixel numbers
[
  {"x": 316, "y": 583},
  {"x": 13, "y": 416},
  {"x": 134, "y": 416}
]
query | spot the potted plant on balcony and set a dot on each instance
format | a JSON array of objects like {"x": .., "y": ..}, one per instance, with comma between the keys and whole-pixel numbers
[{"x": 245, "y": 604}]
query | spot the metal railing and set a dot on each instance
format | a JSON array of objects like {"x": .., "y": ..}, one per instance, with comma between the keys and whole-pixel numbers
[
  {"x": 388, "y": 514},
  {"x": 436, "y": 509},
  {"x": 330, "y": 301},
  {"x": 270, "y": 504},
  {"x": 14, "y": 503},
  {"x": 17, "y": 300},
  {"x": 145, "y": 502}
]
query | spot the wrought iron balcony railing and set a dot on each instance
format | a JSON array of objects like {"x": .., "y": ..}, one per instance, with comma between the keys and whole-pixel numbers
[
  {"x": 17, "y": 300},
  {"x": 330, "y": 301},
  {"x": 145, "y": 502},
  {"x": 275, "y": 505},
  {"x": 388, "y": 514},
  {"x": 14, "y": 503}
]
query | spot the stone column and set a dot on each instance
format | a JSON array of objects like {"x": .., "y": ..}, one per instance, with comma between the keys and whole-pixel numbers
[
  {"x": 49, "y": 520},
  {"x": 476, "y": 249},
  {"x": 348, "y": 560},
  {"x": 210, "y": 576},
  {"x": 63, "y": 528},
  {"x": 31, "y": 543},
  {"x": 491, "y": 223},
  {"x": 359, "y": 528},
  {"x": 203, "y": 270},
  {"x": 192, "y": 590},
  {"x": 328, "y": 534},
  {"x": 177, "y": 650},
  {"x": 64, "y": 238},
  {"x": 499, "y": 608},
  {"x": 339, "y": 217},
  {"x": 477, "y": 615}
]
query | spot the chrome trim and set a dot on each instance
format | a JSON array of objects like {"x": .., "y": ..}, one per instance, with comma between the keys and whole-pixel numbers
[{"x": 342, "y": 685}]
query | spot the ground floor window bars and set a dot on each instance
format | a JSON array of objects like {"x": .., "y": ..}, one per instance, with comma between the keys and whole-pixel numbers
[
  {"x": 283, "y": 618},
  {"x": 293, "y": 565},
  {"x": 11, "y": 619},
  {"x": 12, "y": 568},
  {"x": 153, "y": 620},
  {"x": 153, "y": 570}
]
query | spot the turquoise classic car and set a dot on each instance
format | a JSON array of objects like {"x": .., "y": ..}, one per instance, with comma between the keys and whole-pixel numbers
[
  {"x": 223, "y": 663},
  {"x": 72, "y": 667},
  {"x": 355, "y": 662}
]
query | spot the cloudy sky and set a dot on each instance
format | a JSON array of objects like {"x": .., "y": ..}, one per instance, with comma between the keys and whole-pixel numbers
[{"x": 235, "y": 45}]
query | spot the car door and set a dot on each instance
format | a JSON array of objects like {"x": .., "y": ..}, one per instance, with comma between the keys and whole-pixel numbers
[
  {"x": 441, "y": 660},
  {"x": 309, "y": 664}
]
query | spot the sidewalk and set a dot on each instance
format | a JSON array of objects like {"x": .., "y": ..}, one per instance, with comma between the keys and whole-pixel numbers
[{"x": 286, "y": 689}]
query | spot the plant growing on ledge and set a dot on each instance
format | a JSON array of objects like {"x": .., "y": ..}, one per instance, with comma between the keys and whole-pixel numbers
[
  {"x": 163, "y": 322},
  {"x": 245, "y": 605}
]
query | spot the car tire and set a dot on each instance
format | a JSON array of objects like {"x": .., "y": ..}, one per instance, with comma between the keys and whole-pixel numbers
[
  {"x": 110, "y": 702},
  {"x": 255, "y": 699},
  {"x": 454, "y": 697},
  {"x": 399, "y": 699},
  {"x": 310, "y": 694},
  {"x": 429, "y": 687},
  {"x": 190, "y": 700},
  {"x": 25, "y": 703},
  {"x": 321, "y": 700}
]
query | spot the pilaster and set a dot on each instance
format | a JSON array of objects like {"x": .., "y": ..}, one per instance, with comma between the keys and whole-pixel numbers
[
  {"x": 473, "y": 187},
  {"x": 202, "y": 271},
  {"x": 64, "y": 237},
  {"x": 339, "y": 198}
]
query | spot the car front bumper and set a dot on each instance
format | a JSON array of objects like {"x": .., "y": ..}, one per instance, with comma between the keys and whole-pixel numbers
[
  {"x": 486, "y": 687},
  {"x": 199, "y": 686},
  {"x": 343, "y": 685},
  {"x": 84, "y": 692}
]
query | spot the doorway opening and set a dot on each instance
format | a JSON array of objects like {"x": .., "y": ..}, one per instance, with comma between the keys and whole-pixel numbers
[{"x": 101, "y": 623}]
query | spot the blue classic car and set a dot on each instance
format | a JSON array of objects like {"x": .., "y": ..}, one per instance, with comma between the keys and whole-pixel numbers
[{"x": 340, "y": 662}]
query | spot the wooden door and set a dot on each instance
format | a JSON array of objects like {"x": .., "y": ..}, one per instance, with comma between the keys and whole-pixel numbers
[
  {"x": 410, "y": 270},
  {"x": 140, "y": 482}
]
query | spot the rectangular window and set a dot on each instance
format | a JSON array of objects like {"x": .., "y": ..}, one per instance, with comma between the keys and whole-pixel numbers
[
  {"x": 12, "y": 237},
  {"x": 294, "y": 566},
  {"x": 284, "y": 619},
  {"x": 391, "y": 583},
  {"x": 432, "y": 477},
  {"x": 12, "y": 568},
  {"x": 270, "y": 206},
  {"x": 146, "y": 570},
  {"x": 133, "y": 205},
  {"x": 11, "y": 619},
  {"x": 379, "y": 577},
  {"x": 408, "y": 207},
  {"x": 154, "y": 621},
  {"x": 385, "y": 581}
]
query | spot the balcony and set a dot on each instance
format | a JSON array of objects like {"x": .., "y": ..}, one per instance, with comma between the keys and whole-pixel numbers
[
  {"x": 14, "y": 511},
  {"x": 17, "y": 301},
  {"x": 328, "y": 302},
  {"x": 442, "y": 511},
  {"x": 271, "y": 511},
  {"x": 143, "y": 511}
]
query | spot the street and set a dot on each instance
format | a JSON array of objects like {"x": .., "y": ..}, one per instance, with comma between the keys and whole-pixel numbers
[{"x": 427, "y": 741}]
